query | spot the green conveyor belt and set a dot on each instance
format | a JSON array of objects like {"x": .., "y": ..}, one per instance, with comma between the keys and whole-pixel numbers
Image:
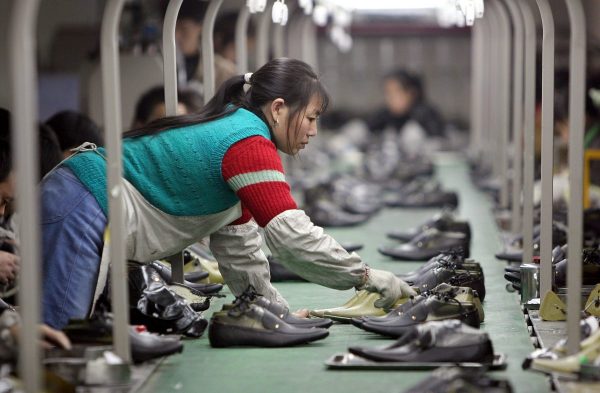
[{"x": 201, "y": 368}]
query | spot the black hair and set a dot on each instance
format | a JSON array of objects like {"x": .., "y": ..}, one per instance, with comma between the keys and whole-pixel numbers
[
  {"x": 191, "y": 99},
  {"x": 193, "y": 10},
  {"x": 5, "y": 159},
  {"x": 410, "y": 82},
  {"x": 73, "y": 128},
  {"x": 290, "y": 79},
  {"x": 50, "y": 151}
]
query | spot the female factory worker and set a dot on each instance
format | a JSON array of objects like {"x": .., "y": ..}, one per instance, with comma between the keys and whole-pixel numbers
[{"x": 190, "y": 176}]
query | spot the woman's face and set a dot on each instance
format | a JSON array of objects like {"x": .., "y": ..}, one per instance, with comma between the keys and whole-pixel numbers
[
  {"x": 304, "y": 123},
  {"x": 397, "y": 99}
]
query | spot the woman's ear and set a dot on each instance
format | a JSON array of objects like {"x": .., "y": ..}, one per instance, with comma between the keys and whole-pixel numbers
[{"x": 276, "y": 108}]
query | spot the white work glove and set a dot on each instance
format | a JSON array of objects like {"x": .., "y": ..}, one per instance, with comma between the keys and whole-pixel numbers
[
  {"x": 389, "y": 286},
  {"x": 237, "y": 249}
]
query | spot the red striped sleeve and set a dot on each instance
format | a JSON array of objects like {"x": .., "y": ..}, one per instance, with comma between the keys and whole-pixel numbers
[{"x": 253, "y": 170}]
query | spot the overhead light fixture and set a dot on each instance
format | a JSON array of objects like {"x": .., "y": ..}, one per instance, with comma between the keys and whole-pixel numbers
[{"x": 320, "y": 15}]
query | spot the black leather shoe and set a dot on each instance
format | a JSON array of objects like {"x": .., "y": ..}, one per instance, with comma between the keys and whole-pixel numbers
[
  {"x": 456, "y": 379},
  {"x": 434, "y": 308},
  {"x": 452, "y": 275},
  {"x": 444, "y": 290},
  {"x": 447, "y": 199},
  {"x": 436, "y": 341},
  {"x": 146, "y": 346},
  {"x": 279, "y": 310},
  {"x": 160, "y": 309},
  {"x": 251, "y": 325},
  {"x": 427, "y": 245},
  {"x": 446, "y": 259},
  {"x": 443, "y": 221}
]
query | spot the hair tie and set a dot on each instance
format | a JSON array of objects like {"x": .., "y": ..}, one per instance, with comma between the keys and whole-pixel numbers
[{"x": 247, "y": 77}]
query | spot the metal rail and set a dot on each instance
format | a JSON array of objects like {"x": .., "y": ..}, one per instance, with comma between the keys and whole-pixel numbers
[
  {"x": 577, "y": 59},
  {"x": 517, "y": 111},
  {"x": 504, "y": 81},
  {"x": 170, "y": 57},
  {"x": 262, "y": 37},
  {"x": 208, "y": 50},
  {"x": 25, "y": 142},
  {"x": 529, "y": 130},
  {"x": 111, "y": 100},
  {"x": 547, "y": 146},
  {"x": 241, "y": 40}
]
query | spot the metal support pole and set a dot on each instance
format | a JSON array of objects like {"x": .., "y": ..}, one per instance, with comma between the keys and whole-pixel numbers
[
  {"x": 309, "y": 42},
  {"x": 208, "y": 50},
  {"x": 517, "y": 124},
  {"x": 504, "y": 79},
  {"x": 486, "y": 93},
  {"x": 547, "y": 146},
  {"x": 529, "y": 130},
  {"x": 477, "y": 64},
  {"x": 170, "y": 57},
  {"x": 493, "y": 86},
  {"x": 241, "y": 40},
  {"x": 111, "y": 89},
  {"x": 278, "y": 41},
  {"x": 577, "y": 59},
  {"x": 25, "y": 142},
  {"x": 262, "y": 37}
]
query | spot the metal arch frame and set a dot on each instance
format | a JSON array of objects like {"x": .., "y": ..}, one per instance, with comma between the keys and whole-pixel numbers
[
  {"x": 111, "y": 92},
  {"x": 504, "y": 79},
  {"x": 529, "y": 129},
  {"x": 25, "y": 141},
  {"x": 170, "y": 57},
  {"x": 517, "y": 110},
  {"x": 309, "y": 42},
  {"x": 547, "y": 146},
  {"x": 208, "y": 50},
  {"x": 486, "y": 97},
  {"x": 493, "y": 71},
  {"x": 262, "y": 36},
  {"x": 477, "y": 64},
  {"x": 577, "y": 62},
  {"x": 241, "y": 39}
]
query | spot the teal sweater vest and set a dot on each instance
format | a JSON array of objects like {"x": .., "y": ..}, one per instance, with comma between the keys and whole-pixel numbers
[{"x": 178, "y": 170}]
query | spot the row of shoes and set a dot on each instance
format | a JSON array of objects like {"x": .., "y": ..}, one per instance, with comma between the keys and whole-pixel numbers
[
  {"x": 434, "y": 342},
  {"x": 443, "y": 275},
  {"x": 443, "y": 302},
  {"x": 422, "y": 192},
  {"x": 342, "y": 201},
  {"x": 590, "y": 268},
  {"x": 253, "y": 320},
  {"x": 443, "y": 232}
]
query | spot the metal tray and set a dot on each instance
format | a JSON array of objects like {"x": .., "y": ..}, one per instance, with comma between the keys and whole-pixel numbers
[{"x": 348, "y": 361}]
